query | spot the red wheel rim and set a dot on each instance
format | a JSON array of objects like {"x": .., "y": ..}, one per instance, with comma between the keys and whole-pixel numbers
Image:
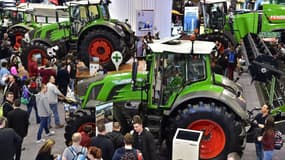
[
  {"x": 85, "y": 124},
  {"x": 18, "y": 38},
  {"x": 214, "y": 139},
  {"x": 37, "y": 51},
  {"x": 100, "y": 48}
]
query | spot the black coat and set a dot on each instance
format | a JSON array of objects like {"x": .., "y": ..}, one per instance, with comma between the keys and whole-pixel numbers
[
  {"x": 105, "y": 144},
  {"x": 9, "y": 140},
  {"x": 117, "y": 138},
  {"x": 148, "y": 147},
  {"x": 18, "y": 119},
  {"x": 7, "y": 107}
]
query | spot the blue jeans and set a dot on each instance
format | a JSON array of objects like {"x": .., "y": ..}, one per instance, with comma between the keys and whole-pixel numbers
[
  {"x": 268, "y": 155},
  {"x": 43, "y": 125},
  {"x": 259, "y": 150},
  {"x": 53, "y": 107},
  {"x": 32, "y": 104},
  {"x": 71, "y": 84}
]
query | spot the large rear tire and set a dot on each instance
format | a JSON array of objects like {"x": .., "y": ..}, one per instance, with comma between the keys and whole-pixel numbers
[
  {"x": 32, "y": 49},
  {"x": 100, "y": 43},
  {"x": 76, "y": 123},
  {"x": 223, "y": 131}
]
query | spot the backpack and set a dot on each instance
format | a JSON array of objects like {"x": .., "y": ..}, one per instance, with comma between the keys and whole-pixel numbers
[
  {"x": 278, "y": 141},
  {"x": 133, "y": 154},
  {"x": 25, "y": 98},
  {"x": 78, "y": 155},
  {"x": 231, "y": 57}
]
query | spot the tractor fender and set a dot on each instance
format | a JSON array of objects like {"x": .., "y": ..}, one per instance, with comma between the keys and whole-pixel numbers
[
  {"x": 107, "y": 26},
  {"x": 44, "y": 41},
  {"x": 20, "y": 26},
  {"x": 235, "y": 104}
]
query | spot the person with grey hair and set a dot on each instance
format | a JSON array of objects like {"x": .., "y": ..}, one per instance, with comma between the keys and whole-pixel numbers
[{"x": 9, "y": 140}]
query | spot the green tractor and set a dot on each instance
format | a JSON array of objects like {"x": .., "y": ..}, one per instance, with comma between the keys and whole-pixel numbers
[
  {"x": 229, "y": 26},
  {"x": 177, "y": 90},
  {"x": 25, "y": 17},
  {"x": 89, "y": 33}
]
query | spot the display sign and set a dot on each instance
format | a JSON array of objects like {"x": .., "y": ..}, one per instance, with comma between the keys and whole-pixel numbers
[
  {"x": 117, "y": 59},
  {"x": 144, "y": 22},
  {"x": 190, "y": 19}
]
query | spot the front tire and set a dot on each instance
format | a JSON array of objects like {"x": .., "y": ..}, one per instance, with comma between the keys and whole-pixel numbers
[
  {"x": 18, "y": 35},
  {"x": 33, "y": 49},
  {"x": 223, "y": 132}
]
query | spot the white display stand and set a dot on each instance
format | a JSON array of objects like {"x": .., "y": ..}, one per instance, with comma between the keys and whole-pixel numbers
[{"x": 186, "y": 144}]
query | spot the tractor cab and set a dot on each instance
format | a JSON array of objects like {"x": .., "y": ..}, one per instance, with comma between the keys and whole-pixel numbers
[
  {"x": 214, "y": 14},
  {"x": 174, "y": 65},
  {"x": 83, "y": 12}
]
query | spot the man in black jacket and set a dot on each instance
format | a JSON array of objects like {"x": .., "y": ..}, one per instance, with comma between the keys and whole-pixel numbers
[
  {"x": 9, "y": 140},
  {"x": 103, "y": 142},
  {"x": 18, "y": 119},
  {"x": 116, "y": 136},
  {"x": 143, "y": 140},
  {"x": 8, "y": 103}
]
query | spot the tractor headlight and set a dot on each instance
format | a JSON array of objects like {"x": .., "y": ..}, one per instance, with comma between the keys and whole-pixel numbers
[{"x": 27, "y": 38}]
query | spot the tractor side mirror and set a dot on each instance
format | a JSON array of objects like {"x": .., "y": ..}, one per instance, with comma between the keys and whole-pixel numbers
[{"x": 134, "y": 73}]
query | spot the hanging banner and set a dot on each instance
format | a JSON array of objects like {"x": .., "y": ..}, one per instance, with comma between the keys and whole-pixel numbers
[
  {"x": 190, "y": 19},
  {"x": 144, "y": 22}
]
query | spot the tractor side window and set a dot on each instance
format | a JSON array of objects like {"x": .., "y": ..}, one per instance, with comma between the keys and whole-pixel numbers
[
  {"x": 196, "y": 68},
  {"x": 83, "y": 14},
  {"x": 93, "y": 12},
  {"x": 105, "y": 12}
]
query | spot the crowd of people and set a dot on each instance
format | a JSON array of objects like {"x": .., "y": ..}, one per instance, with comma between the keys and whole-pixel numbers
[{"x": 136, "y": 145}]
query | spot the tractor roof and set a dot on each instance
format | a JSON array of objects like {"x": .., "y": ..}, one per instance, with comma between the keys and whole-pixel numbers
[
  {"x": 85, "y": 2},
  {"x": 182, "y": 46},
  {"x": 212, "y": 1}
]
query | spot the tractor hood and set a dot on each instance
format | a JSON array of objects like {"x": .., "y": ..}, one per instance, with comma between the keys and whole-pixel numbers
[
  {"x": 53, "y": 32},
  {"x": 110, "y": 87}
]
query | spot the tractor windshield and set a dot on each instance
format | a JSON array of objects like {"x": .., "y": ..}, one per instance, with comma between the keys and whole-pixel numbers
[{"x": 172, "y": 71}]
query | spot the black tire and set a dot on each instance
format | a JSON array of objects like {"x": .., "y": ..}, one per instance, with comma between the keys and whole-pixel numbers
[
  {"x": 77, "y": 121},
  {"x": 34, "y": 48},
  {"x": 16, "y": 35},
  {"x": 106, "y": 36},
  {"x": 225, "y": 121}
]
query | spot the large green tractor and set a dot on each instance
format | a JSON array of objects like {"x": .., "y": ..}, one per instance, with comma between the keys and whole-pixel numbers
[
  {"x": 25, "y": 17},
  {"x": 89, "y": 33},
  {"x": 177, "y": 90}
]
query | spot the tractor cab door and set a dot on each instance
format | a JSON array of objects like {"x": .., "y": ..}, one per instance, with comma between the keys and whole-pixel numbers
[
  {"x": 169, "y": 78},
  {"x": 173, "y": 72},
  {"x": 79, "y": 17}
]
